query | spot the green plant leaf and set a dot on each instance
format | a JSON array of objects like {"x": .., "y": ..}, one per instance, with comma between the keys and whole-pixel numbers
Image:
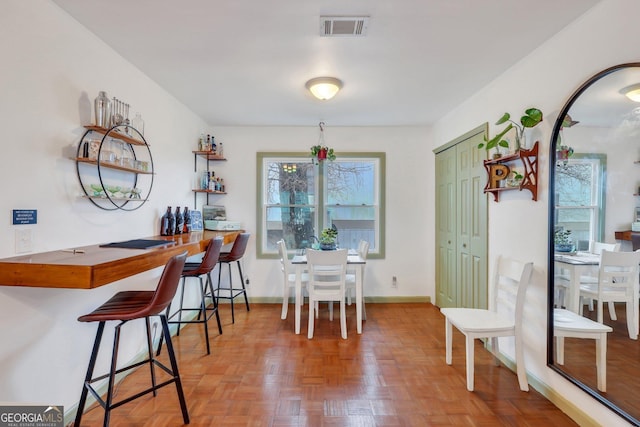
[
  {"x": 532, "y": 117},
  {"x": 505, "y": 117}
]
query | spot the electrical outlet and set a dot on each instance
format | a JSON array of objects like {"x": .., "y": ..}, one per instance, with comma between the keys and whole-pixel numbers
[
  {"x": 24, "y": 241},
  {"x": 246, "y": 281},
  {"x": 394, "y": 282}
]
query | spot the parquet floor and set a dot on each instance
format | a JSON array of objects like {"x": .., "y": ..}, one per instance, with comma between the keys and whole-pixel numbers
[{"x": 260, "y": 373}]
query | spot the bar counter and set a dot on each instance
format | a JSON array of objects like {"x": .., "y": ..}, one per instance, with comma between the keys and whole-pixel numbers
[{"x": 89, "y": 267}]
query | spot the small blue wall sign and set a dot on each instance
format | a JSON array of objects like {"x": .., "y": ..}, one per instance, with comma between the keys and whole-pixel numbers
[{"x": 25, "y": 216}]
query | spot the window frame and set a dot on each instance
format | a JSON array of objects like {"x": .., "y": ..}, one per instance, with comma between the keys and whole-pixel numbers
[{"x": 320, "y": 204}]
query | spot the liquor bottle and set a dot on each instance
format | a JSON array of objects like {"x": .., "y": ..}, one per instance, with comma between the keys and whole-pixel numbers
[
  {"x": 222, "y": 188},
  {"x": 213, "y": 145},
  {"x": 187, "y": 220},
  {"x": 201, "y": 142},
  {"x": 212, "y": 181},
  {"x": 179, "y": 221},
  {"x": 220, "y": 150},
  {"x": 164, "y": 222},
  {"x": 172, "y": 223}
]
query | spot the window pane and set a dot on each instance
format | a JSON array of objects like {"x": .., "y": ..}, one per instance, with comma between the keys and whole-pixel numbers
[
  {"x": 354, "y": 224},
  {"x": 293, "y": 224},
  {"x": 575, "y": 184},
  {"x": 290, "y": 183},
  {"x": 351, "y": 182},
  {"x": 580, "y": 221}
]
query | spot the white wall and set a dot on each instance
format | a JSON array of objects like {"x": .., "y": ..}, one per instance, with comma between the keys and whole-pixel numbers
[
  {"x": 49, "y": 75},
  {"x": 606, "y": 35}
]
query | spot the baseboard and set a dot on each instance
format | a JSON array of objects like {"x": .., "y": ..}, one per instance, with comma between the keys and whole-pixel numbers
[
  {"x": 571, "y": 410},
  {"x": 367, "y": 300}
]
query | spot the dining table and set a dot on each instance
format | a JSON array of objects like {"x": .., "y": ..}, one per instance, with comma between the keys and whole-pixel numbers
[
  {"x": 354, "y": 261},
  {"x": 575, "y": 265}
]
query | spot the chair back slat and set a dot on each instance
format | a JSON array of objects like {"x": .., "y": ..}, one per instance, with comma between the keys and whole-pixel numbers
[
  {"x": 509, "y": 288},
  {"x": 167, "y": 285}
]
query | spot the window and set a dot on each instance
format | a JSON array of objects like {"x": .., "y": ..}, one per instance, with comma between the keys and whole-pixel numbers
[
  {"x": 297, "y": 199},
  {"x": 579, "y": 200}
]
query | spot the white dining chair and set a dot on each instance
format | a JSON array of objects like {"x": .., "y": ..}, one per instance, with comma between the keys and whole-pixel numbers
[
  {"x": 289, "y": 277},
  {"x": 327, "y": 272},
  {"x": 617, "y": 282},
  {"x": 363, "y": 251},
  {"x": 502, "y": 319}
]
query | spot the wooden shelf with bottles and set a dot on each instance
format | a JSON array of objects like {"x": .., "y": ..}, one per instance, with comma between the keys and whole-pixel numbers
[
  {"x": 101, "y": 177},
  {"x": 498, "y": 170},
  {"x": 208, "y": 156}
]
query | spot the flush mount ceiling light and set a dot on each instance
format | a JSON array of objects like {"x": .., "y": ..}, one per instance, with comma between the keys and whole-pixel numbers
[
  {"x": 632, "y": 92},
  {"x": 324, "y": 87}
]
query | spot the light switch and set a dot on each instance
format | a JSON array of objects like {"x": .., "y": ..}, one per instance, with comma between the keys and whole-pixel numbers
[{"x": 24, "y": 242}]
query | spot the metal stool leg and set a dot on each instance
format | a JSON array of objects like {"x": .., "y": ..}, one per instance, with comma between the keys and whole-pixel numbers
[
  {"x": 174, "y": 368},
  {"x": 150, "y": 352},
  {"x": 87, "y": 378},
  {"x": 244, "y": 290}
]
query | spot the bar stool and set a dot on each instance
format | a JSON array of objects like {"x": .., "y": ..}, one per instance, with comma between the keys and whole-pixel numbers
[
  {"x": 123, "y": 307},
  {"x": 237, "y": 252},
  {"x": 199, "y": 269}
]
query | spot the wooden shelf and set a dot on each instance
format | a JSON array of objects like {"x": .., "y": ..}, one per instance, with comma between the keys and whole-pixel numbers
[
  {"x": 208, "y": 155},
  {"x": 528, "y": 158},
  {"x": 197, "y": 190},
  {"x": 111, "y": 165},
  {"x": 116, "y": 134}
]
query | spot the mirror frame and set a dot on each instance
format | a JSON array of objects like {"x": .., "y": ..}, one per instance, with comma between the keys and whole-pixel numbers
[{"x": 551, "y": 265}]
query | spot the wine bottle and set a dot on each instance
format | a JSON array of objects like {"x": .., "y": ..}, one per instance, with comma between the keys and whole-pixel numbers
[
  {"x": 164, "y": 222},
  {"x": 179, "y": 221},
  {"x": 187, "y": 220},
  {"x": 171, "y": 229},
  {"x": 213, "y": 145}
]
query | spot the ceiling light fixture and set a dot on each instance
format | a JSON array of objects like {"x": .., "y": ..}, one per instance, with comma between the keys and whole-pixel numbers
[
  {"x": 324, "y": 87},
  {"x": 632, "y": 92}
]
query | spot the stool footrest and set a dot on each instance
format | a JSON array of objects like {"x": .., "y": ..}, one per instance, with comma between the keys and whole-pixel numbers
[{"x": 135, "y": 396}]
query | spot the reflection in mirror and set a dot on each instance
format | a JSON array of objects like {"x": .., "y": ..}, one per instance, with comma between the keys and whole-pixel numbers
[{"x": 593, "y": 271}]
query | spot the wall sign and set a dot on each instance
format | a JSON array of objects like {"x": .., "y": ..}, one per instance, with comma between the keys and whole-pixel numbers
[{"x": 25, "y": 216}]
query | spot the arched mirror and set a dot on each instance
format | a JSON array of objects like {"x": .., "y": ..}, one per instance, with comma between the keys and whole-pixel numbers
[{"x": 594, "y": 216}]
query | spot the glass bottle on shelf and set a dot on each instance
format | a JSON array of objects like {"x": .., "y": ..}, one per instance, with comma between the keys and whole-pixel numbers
[
  {"x": 220, "y": 150},
  {"x": 164, "y": 222},
  {"x": 138, "y": 123},
  {"x": 179, "y": 221},
  {"x": 213, "y": 145},
  {"x": 187, "y": 220},
  {"x": 102, "y": 105},
  {"x": 172, "y": 223}
]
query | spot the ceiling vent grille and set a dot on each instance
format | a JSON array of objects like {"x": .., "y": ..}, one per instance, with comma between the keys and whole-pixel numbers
[{"x": 343, "y": 26}]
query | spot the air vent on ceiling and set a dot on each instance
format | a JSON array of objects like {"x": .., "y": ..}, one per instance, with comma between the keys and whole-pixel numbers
[{"x": 343, "y": 26}]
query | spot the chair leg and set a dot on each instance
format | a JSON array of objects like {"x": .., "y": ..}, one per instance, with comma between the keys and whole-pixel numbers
[
  {"x": 285, "y": 301},
  {"x": 312, "y": 309},
  {"x": 448, "y": 331},
  {"x": 244, "y": 290},
  {"x": 214, "y": 302},
  {"x": 87, "y": 378},
  {"x": 180, "y": 307},
  {"x": 470, "y": 361},
  {"x": 112, "y": 374},
  {"x": 203, "y": 312},
  {"x": 174, "y": 368},
  {"x": 343, "y": 318},
  {"x": 233, "y": 316},
  {"x": 520, "y": 368},
  {"x": 150, "y": 352},
  {"x": 612, "y": 311}
]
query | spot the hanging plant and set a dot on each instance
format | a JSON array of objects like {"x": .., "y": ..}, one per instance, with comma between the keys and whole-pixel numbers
[{"x": 320, "y": 152}]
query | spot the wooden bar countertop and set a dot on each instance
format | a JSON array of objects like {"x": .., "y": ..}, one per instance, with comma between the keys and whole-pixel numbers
[{"x": 93, "y": 266}]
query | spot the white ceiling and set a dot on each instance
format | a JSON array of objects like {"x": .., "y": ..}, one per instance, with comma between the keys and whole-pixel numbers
[{"x": 245, "y": 62}]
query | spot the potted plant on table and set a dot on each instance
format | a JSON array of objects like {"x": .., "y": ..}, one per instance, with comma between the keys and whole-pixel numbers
[
  {"x": 531, "y": 118},
  {"x": 562, "y": 241},
  {"x": 328, "y": 237}
]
